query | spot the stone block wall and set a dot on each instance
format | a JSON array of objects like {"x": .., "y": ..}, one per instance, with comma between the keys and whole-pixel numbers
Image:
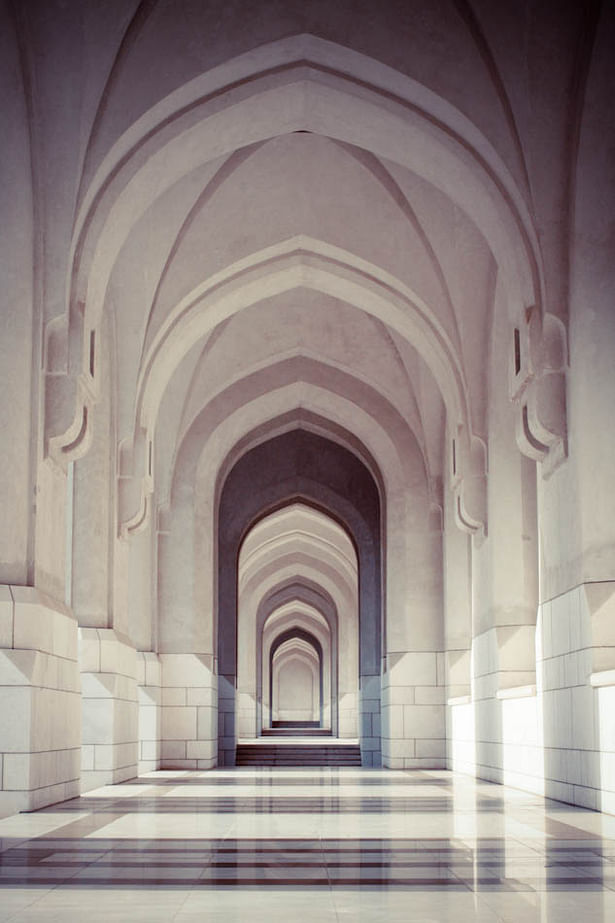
[
  {"x": 413, "y": 712},
  {"x": 110, "y": 730},
  {"x": 40, "y": 701},
  {"x": 507, "y": 731},
  {"x": 578, "y": 699},
  {"x": 189, "y": 724},
  {"x": 347, "y": 713},
  {"x": 557, "y": 738}
]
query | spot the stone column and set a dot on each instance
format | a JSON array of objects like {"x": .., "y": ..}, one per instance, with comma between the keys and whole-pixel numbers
[
  {"x": 109, "y": 708},
  {"x": 39, "y": 701}
]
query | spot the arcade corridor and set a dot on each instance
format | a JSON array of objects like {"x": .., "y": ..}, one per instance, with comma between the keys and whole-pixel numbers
[{"x": 306, "y": 428}]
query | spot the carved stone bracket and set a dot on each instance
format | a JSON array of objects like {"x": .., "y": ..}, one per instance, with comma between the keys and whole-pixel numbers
[
  {"x": 71, "y": 388},
  {"x": 470, "y": 483},
  {"x": 64, "y": 394},
  {"x": 538, "y": 389},
  {"x": 135, "y": 484}
]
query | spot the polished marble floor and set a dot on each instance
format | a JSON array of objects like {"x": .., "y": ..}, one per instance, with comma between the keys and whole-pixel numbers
[{"x": 318, "y": 844}]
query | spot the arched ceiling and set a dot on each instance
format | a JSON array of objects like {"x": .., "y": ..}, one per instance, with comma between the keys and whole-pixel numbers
[
  {"x": 319, "y": 184},
  {"x": 296, "y": 614},
  {"x": 296, "y": 529}
]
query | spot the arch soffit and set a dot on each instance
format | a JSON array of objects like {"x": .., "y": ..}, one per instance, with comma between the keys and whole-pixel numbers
[
  {"x": 333, "y": 601},
  {"x": 317, "y": 601},
  {"x": 210, "y": 448},
  {"x": 491, "y": 197},
  {"x": 299, "y": 466},
  {"x": 194, "y": 465},
  {"x": 293, "y": 644},
  {"x": 302, "y": 521},
  {"x": 186, "y": 117},
  {"x": 289, "y": 543},
  {"x": 438, "y": 123},
  {"x": 292, "y": 264},
  {"x": 297, "y": 615},
  {"x": 290, "y": 402},
  {"x": 281, "y": 420},
  {"x": 205, "y": 458},
  {"x": 306, "y": 591},
  {"x": 327, "y": 589},
  {"x": 270, "y": 544},
  {"x": 304, "y": 565},
  {"x": 340, "y": 374},
  {"x": 292, "y": 635},
  {"x": 272, "y": 428},
  {"x": 317, "y": 376}
]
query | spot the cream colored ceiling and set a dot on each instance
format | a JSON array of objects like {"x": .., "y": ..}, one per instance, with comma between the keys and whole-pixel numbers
[{"x": 359, "y": 189}]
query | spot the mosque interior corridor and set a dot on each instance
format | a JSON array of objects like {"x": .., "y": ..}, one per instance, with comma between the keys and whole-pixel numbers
[{"x": 307, "y": 519}]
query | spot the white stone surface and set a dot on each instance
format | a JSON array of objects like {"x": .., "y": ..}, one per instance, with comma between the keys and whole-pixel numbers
[
  {"x": 40, "y": 700},
  {"x": 327, "y": 221},
  {"x": 188, "y": 712},
  {"x": 109, "y": 708}
]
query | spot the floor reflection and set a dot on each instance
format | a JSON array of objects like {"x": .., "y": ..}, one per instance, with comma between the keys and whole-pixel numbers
[{"x": 376, "y": 844}]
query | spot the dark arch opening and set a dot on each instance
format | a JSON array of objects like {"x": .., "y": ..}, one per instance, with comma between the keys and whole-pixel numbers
[{"x": 302, "y": 466}]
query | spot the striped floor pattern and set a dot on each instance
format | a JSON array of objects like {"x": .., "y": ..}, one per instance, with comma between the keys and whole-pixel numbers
[{"x": 343, "y": 844}]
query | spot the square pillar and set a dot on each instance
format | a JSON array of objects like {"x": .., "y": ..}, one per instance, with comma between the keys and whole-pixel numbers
[
  {"x": 110, "y": 740},
  {"x": 413, "y": 712},
  {"x": 39, "y": 699},
  {"x": 149, "y": 679},
  {"x": 189, "y": 712}
]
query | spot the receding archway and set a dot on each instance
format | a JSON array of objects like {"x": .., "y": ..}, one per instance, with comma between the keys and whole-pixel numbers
[
  {"x": 303, "y": 545},
  {"x": 282, "y": 640},
  {"x": 301, "y": 465},
  {"x": 315, "y": 599}
]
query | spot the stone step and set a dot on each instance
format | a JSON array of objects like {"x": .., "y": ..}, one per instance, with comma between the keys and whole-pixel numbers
[
  {"x": 259, "y": 754},
  {"x": 296, "y": 731},
  {"x": 295, "y": 724}
]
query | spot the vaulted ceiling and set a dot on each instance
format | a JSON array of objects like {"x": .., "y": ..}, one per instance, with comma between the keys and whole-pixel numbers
[{"x": 319, "y": 210}]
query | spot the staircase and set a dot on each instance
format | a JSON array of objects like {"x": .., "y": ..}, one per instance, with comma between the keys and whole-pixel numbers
[
  {"x": 294, "y": 751},
  {"x": 293, "y": 725},
  {"x": 294, "y": 731}
]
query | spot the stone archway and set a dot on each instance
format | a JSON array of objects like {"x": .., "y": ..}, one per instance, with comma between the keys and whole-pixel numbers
[
  {"x": 300, "y": 465},
  {"x": 295, "y": 634},
  {"x": 320, "y": 602}
]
